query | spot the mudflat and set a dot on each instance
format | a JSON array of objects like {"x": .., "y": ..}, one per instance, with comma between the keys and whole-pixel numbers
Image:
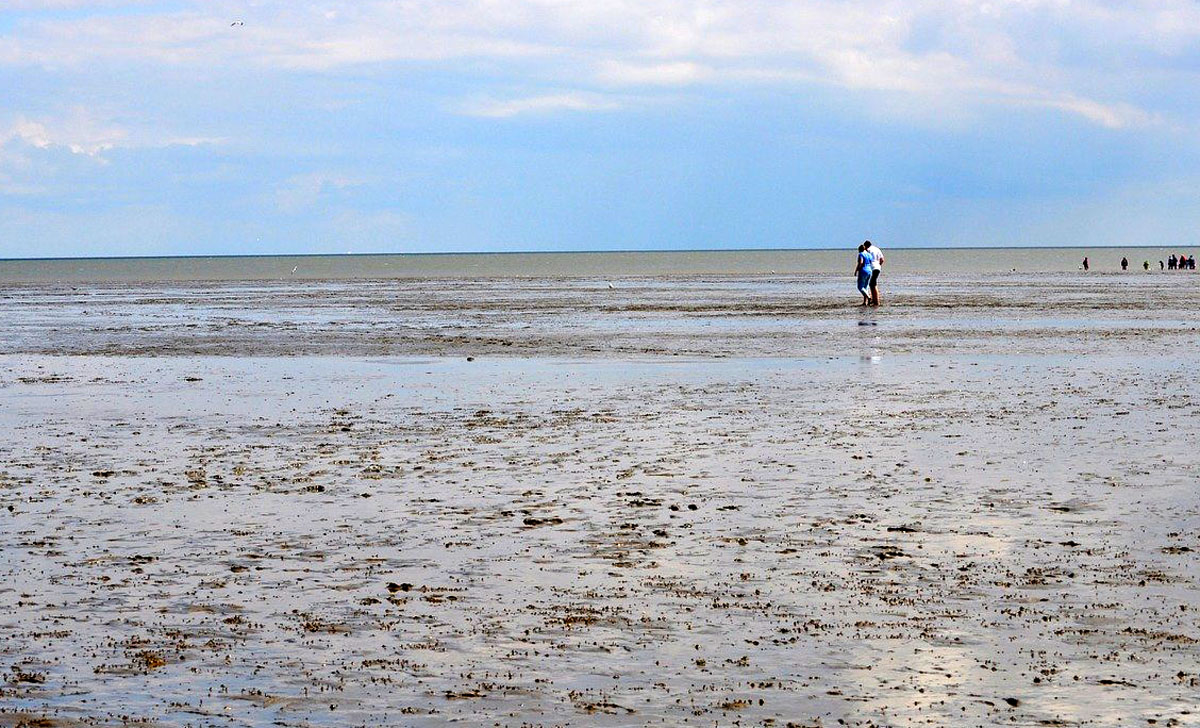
[{"x": 552, "y": 501}]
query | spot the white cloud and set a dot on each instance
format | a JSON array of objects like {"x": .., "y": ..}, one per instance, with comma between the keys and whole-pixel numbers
[
  {"x": 84, "y": 133},
  {"x": 79, "y": 132},
  {"x": 678, "y": 73},
  {"x": 1113, "y": 116},
  {"x": 501, "y": 109},
  {"x": 1082, "y": 57},
  {"x": 30, "y": 132},
  {"x": 41, "y": 5}
]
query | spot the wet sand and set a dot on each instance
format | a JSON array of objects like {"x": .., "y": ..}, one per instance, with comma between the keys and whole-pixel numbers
[
  {"x": 707, "y": 317},
  {"x": 702, "y": 501}
]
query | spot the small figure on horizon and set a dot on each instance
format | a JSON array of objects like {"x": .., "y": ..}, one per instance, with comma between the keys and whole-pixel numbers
[
  {"x": 1085, "y": 263},
  {"x": 1124, "y": 263},
  {"x": 1171, "y": 262},
  {"x": 1161, "y": 266},
  {"x": 1145, "y": 265}
]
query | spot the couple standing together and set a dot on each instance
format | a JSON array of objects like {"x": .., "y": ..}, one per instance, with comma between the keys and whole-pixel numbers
[{"x": 870, "y": 263}]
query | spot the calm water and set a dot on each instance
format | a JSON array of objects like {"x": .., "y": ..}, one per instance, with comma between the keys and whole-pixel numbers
[{"x": 590, "y": 265}]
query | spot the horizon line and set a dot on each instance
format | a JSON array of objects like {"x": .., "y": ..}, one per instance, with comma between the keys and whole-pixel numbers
[{"x": 190, "y": 256}]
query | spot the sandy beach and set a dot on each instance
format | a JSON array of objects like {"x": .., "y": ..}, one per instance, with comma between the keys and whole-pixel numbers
[{"x": 702, "y": 501}]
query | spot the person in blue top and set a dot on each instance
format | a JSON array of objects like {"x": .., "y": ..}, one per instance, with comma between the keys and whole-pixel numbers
[{"x": 862, "y": 272}]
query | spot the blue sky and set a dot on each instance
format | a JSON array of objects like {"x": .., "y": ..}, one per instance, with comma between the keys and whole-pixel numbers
[{"x": 134, "y": 127}]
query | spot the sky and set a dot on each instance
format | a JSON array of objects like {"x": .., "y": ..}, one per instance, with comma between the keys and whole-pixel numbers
[{"x": 137, "y": 127}]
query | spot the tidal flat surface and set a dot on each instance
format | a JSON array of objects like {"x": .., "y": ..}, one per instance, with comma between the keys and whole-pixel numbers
[
  {"x": 705, "y": 317},
  {"x": 700, "y": 502}
]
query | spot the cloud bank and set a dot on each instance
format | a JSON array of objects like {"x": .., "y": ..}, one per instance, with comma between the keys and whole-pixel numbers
[{"x": 1088, "y": 58}]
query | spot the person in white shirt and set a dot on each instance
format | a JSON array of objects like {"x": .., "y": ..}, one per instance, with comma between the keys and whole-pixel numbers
[{"x": 876, "y": 269}]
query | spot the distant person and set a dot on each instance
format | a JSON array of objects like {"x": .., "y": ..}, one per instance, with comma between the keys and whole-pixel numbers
[
  {"x": 1145, "y": 265},
  {"x": 862, "y": 273},
  {"x": 876, "y": 269},
  {"x": 1160, "y": 265},
  {"x": 1124, "y": 263},
  {"x": 1085, "y": 263},
  {"x": 1171, "y": 262}
]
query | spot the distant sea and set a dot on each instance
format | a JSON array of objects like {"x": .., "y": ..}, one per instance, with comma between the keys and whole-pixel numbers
[{"x": 929, "y": 261}]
